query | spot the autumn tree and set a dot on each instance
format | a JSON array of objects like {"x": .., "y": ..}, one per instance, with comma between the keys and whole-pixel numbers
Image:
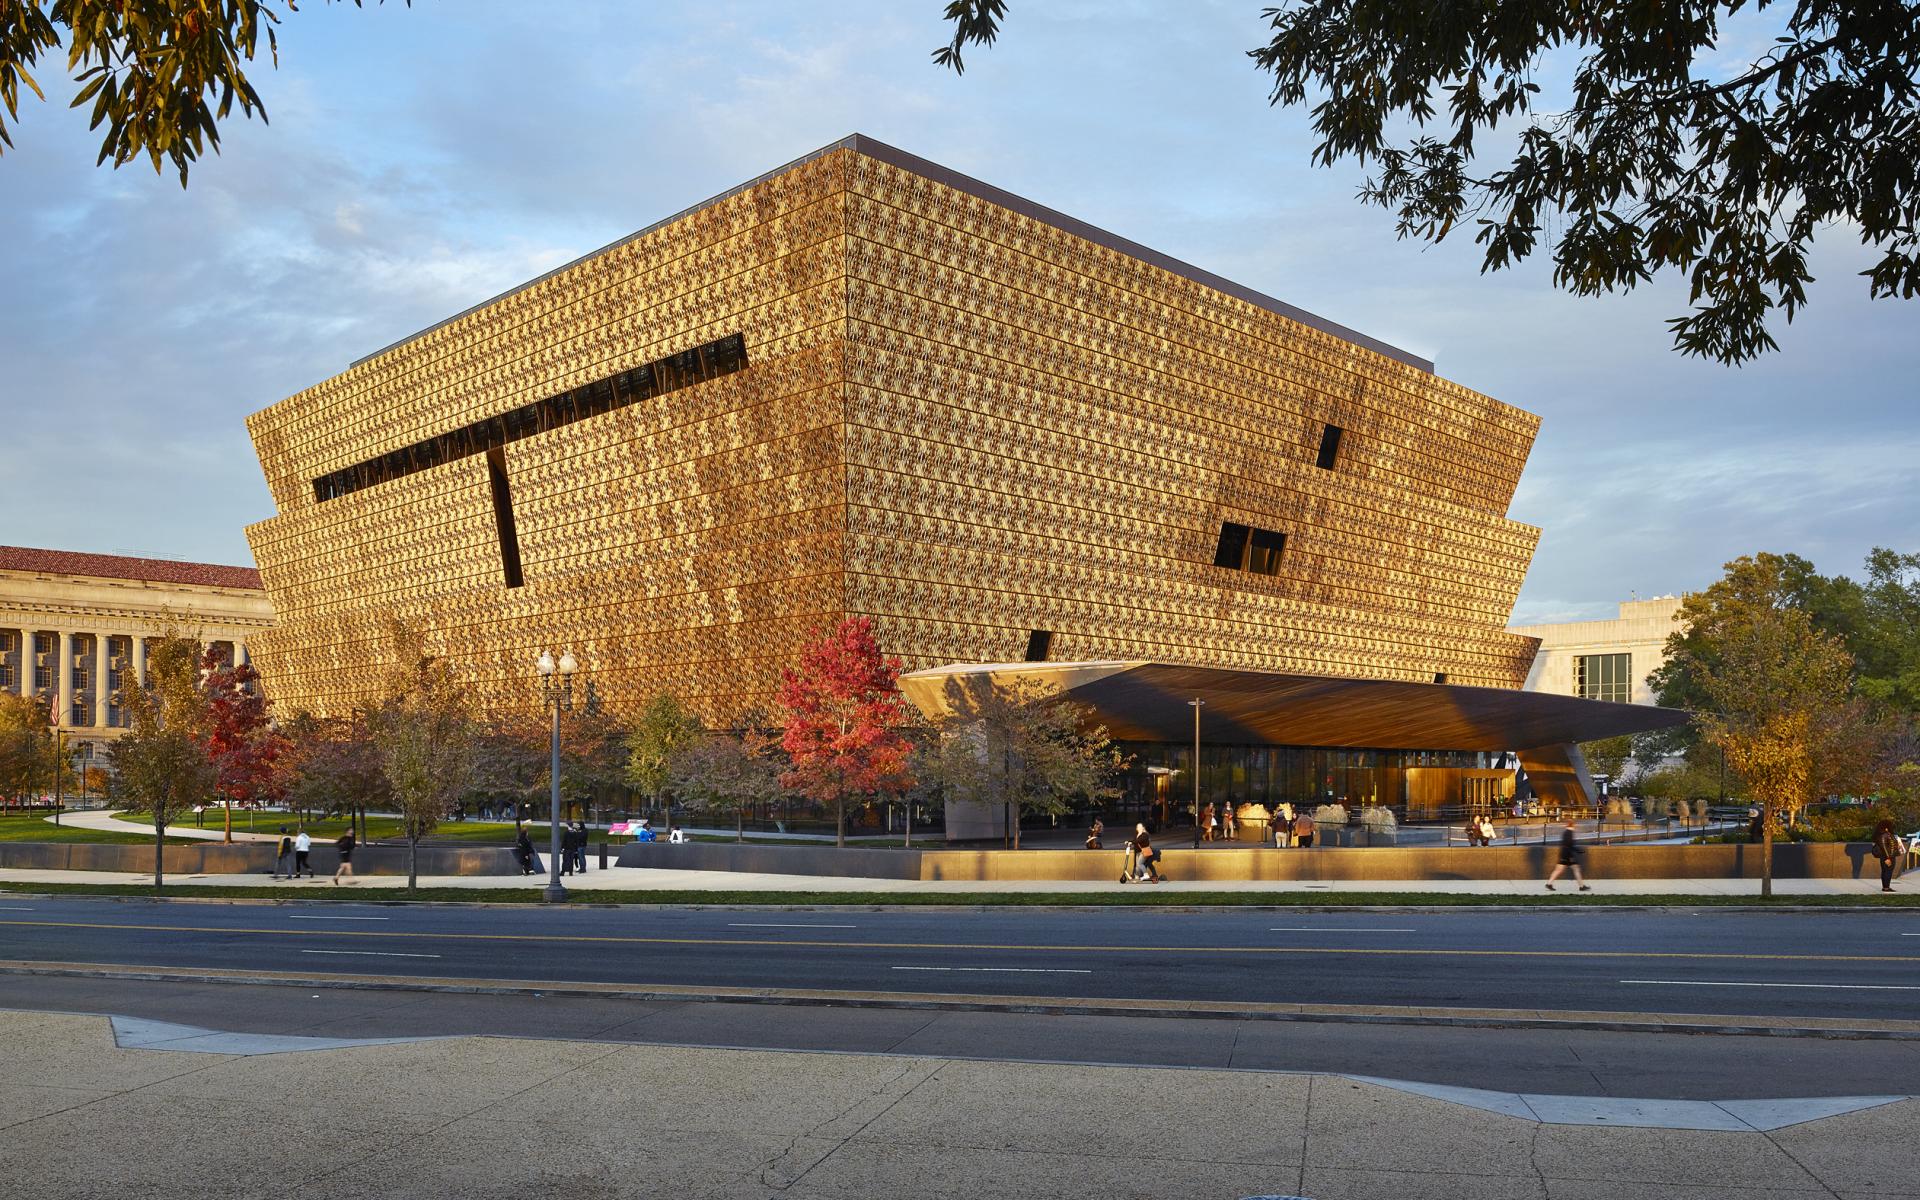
[
  {"x": 1609, "y": 756},
  {"x": 729, "y": 772},
  {"x": 844, "y": 718},
  {"x": 424, "y": 727},
  {"x": 26, "y": 745},
  {"x": 162, "y": 760},
  {"x": 159, "y": 75},
  {"x": 1018, "y": 746},
  {"x": 664, "y": 727},
  {"x": 241, "y": 740},
  {"x": 330, "y": 764},
  {"x": 1664, "y": 153},
  {"x": 1780, "y": 705}
]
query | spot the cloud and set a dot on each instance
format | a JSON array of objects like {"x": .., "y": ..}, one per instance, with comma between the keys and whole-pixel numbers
[{"x": 424, "y": 158}]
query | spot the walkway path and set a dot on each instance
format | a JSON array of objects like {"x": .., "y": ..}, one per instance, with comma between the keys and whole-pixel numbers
[
  {"x": 636, "y": 879},
  {"x": 106, "y": 821}
]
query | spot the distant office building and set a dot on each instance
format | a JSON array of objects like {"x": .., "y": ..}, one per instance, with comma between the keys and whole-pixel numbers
[
  {"x": 74, "y": 626},
  {"x": 1604, "y": 660}
]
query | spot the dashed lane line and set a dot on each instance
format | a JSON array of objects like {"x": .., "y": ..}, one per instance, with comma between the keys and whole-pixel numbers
[
  {"x": 1005, "y": 970},
  {"x": 1838, "y": 987},
  {"x": 372, "y": 953}
]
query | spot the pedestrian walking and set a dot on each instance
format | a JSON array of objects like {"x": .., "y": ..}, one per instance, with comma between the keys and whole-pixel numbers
[
  {"x": 345, "y": 846},
  {"x": 1229, "y": 821},
  {"x": 566, "y": 849},
  {"x": 1886, "y": 848},
  {"x": 580, "y": 839},
  {"x": 1093, "y": 834},
  {"x": 523, "y": 851},
  {"x": 1210, "y": 823},
  {"x": 1303, "y": 831},
  {"x": 1283, "y": 826},
  {"x": 302, "y": 846},
  {"x": 1569, "y": 859},
  {"x": 283, "y": 856}
]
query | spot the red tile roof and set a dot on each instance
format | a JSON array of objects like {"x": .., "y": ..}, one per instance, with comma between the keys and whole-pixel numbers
[{"x": 114, "y": 566}]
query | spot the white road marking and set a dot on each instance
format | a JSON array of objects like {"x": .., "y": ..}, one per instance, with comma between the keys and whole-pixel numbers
[
  {"x": 15, "y": 908},
  {"x": 372, "y": 953},
  {"x": 1842, "y": 987},
  {"x": 775, "y": 925},
  {"x": 297, "y": 917},
  {"x": 1331, "y": 929},
  {"x": 1005, "y": 970}
]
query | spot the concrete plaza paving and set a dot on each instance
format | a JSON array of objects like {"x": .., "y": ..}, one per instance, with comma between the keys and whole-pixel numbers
[{"x": 481, "y": 1117}]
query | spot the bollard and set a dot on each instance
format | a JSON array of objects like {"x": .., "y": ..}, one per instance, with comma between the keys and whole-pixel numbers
[{"x": 603, "y": 856}]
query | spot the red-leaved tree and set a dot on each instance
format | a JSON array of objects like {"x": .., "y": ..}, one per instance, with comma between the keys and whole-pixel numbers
[
  {"x": 240, "y": 741},
  {"x": 844, "y": 722}
]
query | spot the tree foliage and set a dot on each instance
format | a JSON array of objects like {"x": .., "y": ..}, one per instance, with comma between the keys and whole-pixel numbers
[
  {"x": 241, "y": 738},
  {"x": 1653, "y": 159},
  {"x": 424, "y": 728},
  {"x": 162, "y": 760},
  {"x": 1020, "y": 747},
  {"x": 330, "y": 765},
  {"x": 844, "y": 719},
  {"x": 158, "y": 75},
  {"x": 26, "y": 746},
  {"x": 729, "y": 772},
  {"x": 665, "y": 726}
]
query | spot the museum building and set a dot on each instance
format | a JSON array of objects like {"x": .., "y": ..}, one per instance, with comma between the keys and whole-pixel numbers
[{"x": 864, "y": 384}]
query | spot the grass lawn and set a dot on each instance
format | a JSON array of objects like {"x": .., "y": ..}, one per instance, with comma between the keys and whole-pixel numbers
[
  {"x": 36, "y": 828},
  {"x": 1130, "y": 898},
  {"x": 379, "y": 829}
]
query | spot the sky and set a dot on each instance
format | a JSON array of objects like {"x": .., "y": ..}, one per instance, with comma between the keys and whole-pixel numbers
[{"x": 420, "y": 159}]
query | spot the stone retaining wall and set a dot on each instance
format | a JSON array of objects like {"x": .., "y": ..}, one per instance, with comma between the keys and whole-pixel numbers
[
  {"x": 249, "y": 858},
  {"x": 1825, "y": 860}
]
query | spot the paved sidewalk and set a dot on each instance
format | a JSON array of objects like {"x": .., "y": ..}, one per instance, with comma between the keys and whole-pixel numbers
[
  {"x": 638, "y": 879},
  {"x": 493, "y": 1117}
]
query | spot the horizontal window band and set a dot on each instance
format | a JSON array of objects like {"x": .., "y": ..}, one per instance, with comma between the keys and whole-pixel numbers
[{"x": 723, "y": 356}]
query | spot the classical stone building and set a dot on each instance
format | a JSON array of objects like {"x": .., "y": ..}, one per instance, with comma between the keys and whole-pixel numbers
[
  {"x": 1604, "y": 660},
  {"x": 73, "y": 626},
  {"x": 864, "y": 384}
]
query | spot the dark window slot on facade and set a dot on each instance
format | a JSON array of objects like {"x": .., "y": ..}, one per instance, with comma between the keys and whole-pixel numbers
[
  {"x": 1329, "y": 446},
  {"x": 716, "y": 358},
  {"x": 1439, "y": 676},
  {"x": 1264, "y": 550},
  {"x": 1231, "y": 552},
  {"x": 503, "y": 517},
  {"x": 1039, "y": 642}
]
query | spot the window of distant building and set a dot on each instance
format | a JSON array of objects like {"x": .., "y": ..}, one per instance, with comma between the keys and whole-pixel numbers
[
  {"x": 1603, "y": 677},
  {"x": 1244, "y": 548},
  {"x": 1039, "y": 645},
  {"x": 1231, "y": 551}
]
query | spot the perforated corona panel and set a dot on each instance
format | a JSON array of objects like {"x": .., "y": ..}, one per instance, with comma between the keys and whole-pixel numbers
[{"x": 960, "y": 415}]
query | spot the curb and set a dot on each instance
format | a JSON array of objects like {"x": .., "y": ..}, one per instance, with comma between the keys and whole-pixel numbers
[{"x": 1189, "y": 1010}]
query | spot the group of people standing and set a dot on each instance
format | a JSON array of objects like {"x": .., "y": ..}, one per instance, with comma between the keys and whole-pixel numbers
[{"x": 573, "y": 850}]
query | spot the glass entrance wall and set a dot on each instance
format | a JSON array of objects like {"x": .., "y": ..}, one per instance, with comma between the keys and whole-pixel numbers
[{"x": 1157, "y": 779}]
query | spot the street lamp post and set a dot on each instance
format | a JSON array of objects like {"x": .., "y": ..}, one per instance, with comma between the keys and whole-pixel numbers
[
  {"x": 1196, "y": 703},
  {"x": 556, "y": 686}
]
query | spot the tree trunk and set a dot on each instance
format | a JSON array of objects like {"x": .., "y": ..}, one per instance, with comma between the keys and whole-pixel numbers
[
  {"x": 740, "y": 824},
  {"x": 228, "y": 805},
  {"x": 159, "y": 843},
  {"x": 413, "y": 861},
  {"x": 908, "y": 844},
  {"x": 840, "y": 823},
  {"x": 1766, "y": 851}
]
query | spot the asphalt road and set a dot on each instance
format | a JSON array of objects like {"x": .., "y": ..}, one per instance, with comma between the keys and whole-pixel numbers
[{"x": 1858, "y": 965}]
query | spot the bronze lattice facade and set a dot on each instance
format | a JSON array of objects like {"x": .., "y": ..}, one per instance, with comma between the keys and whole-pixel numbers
[{"x": 992, "y": 429}]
